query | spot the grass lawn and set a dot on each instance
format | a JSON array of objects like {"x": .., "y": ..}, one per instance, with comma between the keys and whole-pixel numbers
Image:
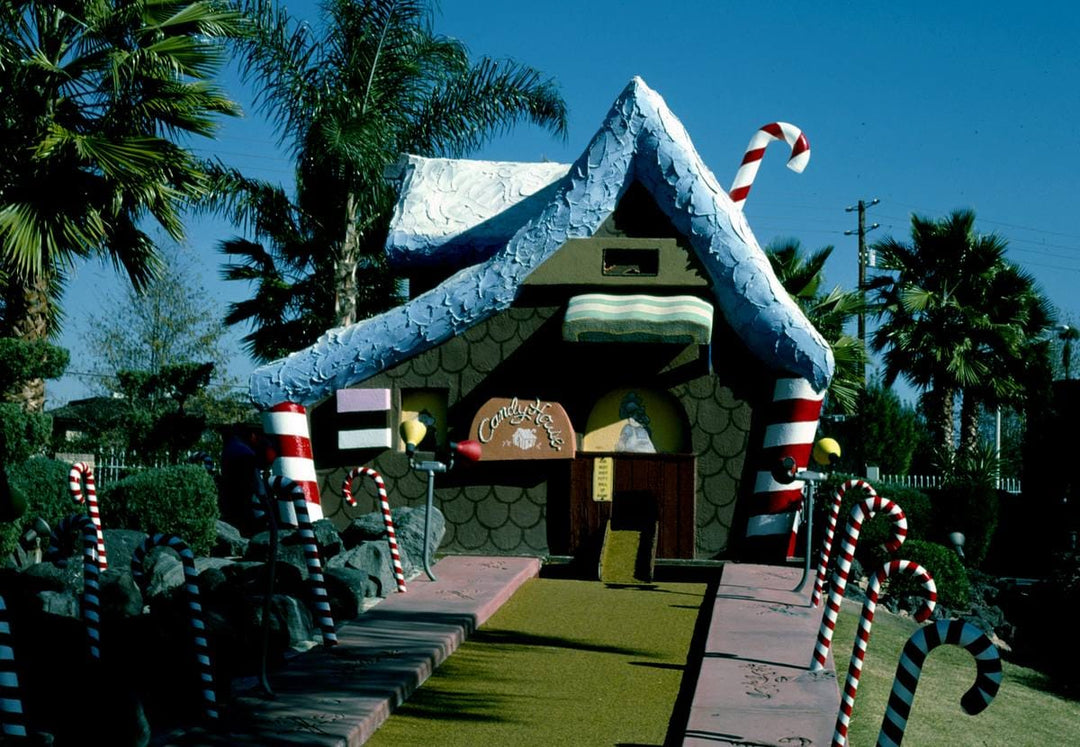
[
  {"x": 1025, "y": 712},
  {"x": 564, "y": 662}
]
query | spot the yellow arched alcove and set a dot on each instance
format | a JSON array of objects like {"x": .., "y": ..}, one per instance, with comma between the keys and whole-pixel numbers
[{"x": 636, "y": 419}]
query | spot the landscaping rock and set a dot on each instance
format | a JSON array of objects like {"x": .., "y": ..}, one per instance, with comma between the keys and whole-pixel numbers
[
  {"x": 120, "y": 596},
  {"x": 163, "y": 571},
  {"x": 372, "y": 559},
  {"x": 290, "y": 622},
  {"x": 229, "y": 543},
  {"x": 347, "y": 589},
  {"x": 60, "y": 603},
  {"x": 120, "y": 545},
  {"x": 409, "y": 527}
]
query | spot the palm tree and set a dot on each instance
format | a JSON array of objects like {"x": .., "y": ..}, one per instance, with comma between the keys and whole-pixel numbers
[
  {"x": 802, "y": 276},
  {"x": 95, "y": 98},
  {"x": 375, "y": 83},
  {"x": 956, "y": 319}
]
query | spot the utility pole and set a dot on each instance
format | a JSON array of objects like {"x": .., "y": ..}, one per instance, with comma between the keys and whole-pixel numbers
[{"x": 863, "y": 230}]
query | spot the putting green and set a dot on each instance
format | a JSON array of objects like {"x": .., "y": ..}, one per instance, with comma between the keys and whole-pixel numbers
[{"x": 564, "y": 662}]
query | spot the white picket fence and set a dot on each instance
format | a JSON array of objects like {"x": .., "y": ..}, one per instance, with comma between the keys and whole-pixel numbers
[{"x": 1008, "y": 484}]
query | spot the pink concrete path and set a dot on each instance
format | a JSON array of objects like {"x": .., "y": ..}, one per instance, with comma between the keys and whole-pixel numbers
[
  {"x": 755, "y": 686},
  {"x": 339, "y": 696}
]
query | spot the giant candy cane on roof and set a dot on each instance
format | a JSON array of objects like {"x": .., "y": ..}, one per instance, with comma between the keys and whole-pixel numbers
[{"x": 755, "y": 151}]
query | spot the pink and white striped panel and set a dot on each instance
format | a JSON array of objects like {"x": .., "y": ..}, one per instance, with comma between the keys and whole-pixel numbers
[
  {"x": 287, "y": 423},
  {"x": 791, "y": 425}
]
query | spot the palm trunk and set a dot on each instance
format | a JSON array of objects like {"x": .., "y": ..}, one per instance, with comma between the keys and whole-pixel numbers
[
  {"x": 969, "y": 424},
  {"x": 345, "y": 287},
  {"x": 939, "y": 413},
  {"x": 28, "y": 312}
]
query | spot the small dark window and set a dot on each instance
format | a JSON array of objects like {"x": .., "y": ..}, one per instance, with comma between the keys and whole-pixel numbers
[{"x": 624, "y": 262}]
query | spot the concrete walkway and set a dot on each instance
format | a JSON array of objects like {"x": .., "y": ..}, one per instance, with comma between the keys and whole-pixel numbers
[
  {"x": 341, "y": 695},
  {"x": 755, "y": 686}
]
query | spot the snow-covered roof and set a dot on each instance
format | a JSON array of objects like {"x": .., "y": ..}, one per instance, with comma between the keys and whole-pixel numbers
[{"x": 640, "y": 140}]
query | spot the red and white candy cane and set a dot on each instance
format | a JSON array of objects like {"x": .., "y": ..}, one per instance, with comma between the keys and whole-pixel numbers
[
  {"x": 60, "y": 547},
  {"x": 288, "y": 491},
  {"x": 922, "y": 642},
  {"x": 388, "y": 520},
  {"x": 12, "y": 717},
  {"x": 862, "y": 635},
  {"x": 755, "y": 151},
  {"x": 79, "y": 472},
  {"x": 195, "y": 618},
  {"x": 860, "y": 513},
  {"x": 830, "y": 531}
]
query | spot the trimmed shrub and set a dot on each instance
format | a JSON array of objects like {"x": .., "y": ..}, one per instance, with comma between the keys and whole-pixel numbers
[
  {"x": 950, "y": 576},
  {"x": 970, "y": 507},
  {"x": 43, "y": 484},
  {"x": 22, "y": 434},
  {"x": 180, "y": 500}
]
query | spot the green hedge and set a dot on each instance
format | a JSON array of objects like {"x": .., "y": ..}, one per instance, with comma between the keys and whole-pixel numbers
[
  {"x": 971, "y": 508},
  {"x": 915, "y": 504},
  {"x": 950, "y": 576},
  {"x": 43, "y": 484},
  {"x": 180, "y": 500},
  {"x": 22, "y": 434}
]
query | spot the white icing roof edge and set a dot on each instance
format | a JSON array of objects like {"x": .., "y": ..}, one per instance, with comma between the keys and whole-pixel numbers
[
  {"x": 459, "y": 212},
  {"x": 639, "y": 140}
]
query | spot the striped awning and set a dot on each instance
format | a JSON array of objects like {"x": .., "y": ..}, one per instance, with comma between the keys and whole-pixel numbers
[{"x": 600, "y": 317}]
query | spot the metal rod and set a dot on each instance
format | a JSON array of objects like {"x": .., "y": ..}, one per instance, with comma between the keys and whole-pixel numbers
[
  {"x": 427, "y": 523},
  {"x": 808, "y": 507}
]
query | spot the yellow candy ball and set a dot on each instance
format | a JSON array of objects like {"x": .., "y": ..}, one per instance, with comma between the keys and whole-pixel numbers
[{"x": 826, "y": 451}]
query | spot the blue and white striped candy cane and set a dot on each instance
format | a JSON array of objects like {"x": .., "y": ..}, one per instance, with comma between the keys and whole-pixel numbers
[
  {"x": 60, "y": 547},
  {"x": 922, "y": 642},
  {"x": 12, "y": 718},
  {"x": 198, "y": 624},
  {"x": 288, "y": 491}
]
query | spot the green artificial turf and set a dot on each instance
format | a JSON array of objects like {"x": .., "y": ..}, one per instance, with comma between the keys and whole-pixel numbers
[
  {"x": 564, "y": 662},
  {"x": 1025, "y": 712}
]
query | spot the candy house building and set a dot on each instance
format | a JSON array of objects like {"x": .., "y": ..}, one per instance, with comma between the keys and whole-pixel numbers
[{"x": 611, "y": 332}]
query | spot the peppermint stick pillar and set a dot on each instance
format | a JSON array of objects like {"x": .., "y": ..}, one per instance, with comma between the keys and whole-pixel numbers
[
  {"x": 775, "y": 509},
  {"x": 288, "y": 424}
]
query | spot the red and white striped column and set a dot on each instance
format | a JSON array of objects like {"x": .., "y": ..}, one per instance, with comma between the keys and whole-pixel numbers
[
  {"x": 287, "y": 423},
  {"x": 775, "y": 509}
]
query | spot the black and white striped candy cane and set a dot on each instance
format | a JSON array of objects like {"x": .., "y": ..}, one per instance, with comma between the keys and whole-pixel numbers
[
  {"x": 198, "y": 624},
  {"x": 862, "y": 634},
  {"x": 922, "y": 642},
  {"x": 79, "y": 472},
  {"x": 288, "y": 491},
  {"x": 860, "y": 513},
  {"x": 60, "y": 547},
  {"x": 12, "y": 718},
  {"x": 388, "y": 520}
]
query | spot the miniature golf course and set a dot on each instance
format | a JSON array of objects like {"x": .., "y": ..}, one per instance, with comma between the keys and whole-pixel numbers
[{"x": 562, "y": 662}]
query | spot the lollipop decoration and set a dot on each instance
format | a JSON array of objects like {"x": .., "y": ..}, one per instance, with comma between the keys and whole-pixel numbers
[
  {"x": 922, "y": 642},
  {"x": 860, "y": 513},
  {"x": 198, "y": 624},
  {"x": 830, "y": 531},
  {"x": 79, "y": 472},
  {"x": 388, "y": 520},
  {"x": 12, "y": 718},
  {"x": 862, "y": 635},
  {"x": 755, "y": 151},
  {"x": 288, "y": 491},
  {"x": 59, "y": 547}
]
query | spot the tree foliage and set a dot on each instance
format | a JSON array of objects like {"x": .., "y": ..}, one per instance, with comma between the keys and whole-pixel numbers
[
  {"x": 349, "y": 97},
  {"x": 802, "y": 276},
  {"x": 957, "y": 320},
  {"x": 95, "y": 101}
]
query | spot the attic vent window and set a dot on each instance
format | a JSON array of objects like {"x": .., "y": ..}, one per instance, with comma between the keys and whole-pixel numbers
[{"x": 635, "y": 262}]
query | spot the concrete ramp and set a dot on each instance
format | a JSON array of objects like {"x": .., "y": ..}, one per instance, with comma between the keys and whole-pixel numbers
[{"x": 755, "y": 686}]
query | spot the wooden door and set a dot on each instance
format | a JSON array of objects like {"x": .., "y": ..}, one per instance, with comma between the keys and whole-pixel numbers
[{"x": 647, "y": 487}]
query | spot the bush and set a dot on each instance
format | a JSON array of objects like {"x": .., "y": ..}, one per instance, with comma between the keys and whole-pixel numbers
[
  {"x": 950, "y": 576},
  {"x": 43, "y": 484},
  {"x": 180, "y": 500},
  {"x": 970, "y": 507},
  {"x": 22, "y": 434}
]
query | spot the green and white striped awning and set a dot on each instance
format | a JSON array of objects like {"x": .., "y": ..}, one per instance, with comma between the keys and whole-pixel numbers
[{"x": 600, "y": 317}]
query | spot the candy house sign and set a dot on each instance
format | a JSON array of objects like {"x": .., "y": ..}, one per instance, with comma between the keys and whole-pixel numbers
[{"x": 512, "y": 429}]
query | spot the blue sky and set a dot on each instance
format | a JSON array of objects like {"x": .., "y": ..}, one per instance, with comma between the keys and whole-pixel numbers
[{"x": 928, "y": 107}]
